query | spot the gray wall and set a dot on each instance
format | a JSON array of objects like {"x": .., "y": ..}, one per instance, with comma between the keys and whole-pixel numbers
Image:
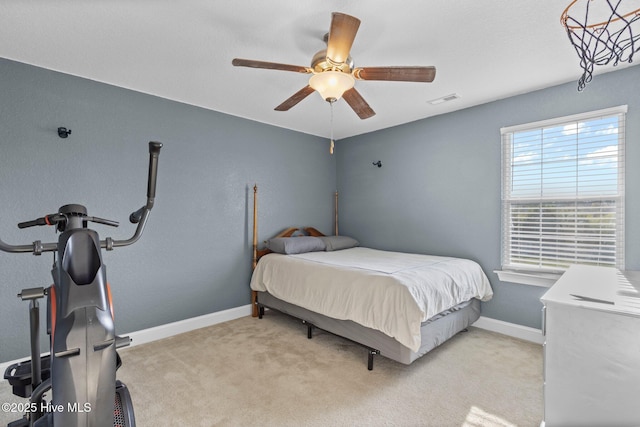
[
  {"x": 195, "y": 255},
  {"x": 438, "y": 190}
]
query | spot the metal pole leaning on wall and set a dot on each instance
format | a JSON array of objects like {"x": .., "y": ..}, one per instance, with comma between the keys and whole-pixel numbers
[
  {"x": 254, "y": 294},
  {"x": 335, "y": 208}
]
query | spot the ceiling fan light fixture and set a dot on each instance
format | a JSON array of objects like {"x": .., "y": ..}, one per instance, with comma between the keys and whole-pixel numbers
[
  {"x": 331, "y": 84},
  {"x": 333, "y": 73}
]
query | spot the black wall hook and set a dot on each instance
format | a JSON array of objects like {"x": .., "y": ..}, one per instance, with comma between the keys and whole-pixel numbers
[
  {"x": 378, "y": 164},
  {"x": 63, "y": 132}
]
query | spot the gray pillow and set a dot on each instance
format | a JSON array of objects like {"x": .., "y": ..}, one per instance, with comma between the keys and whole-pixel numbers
[
  {"x": 335, "y": 243},
  {"x": 295, "y": 245}
]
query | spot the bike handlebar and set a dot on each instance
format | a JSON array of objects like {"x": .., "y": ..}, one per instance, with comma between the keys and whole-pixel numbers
[
  {"x": 138, "y": 217},
  {"x": 54, "y": 219},
  {"x": 154, "y": 152},
  {"x": 35, "y": 222}
]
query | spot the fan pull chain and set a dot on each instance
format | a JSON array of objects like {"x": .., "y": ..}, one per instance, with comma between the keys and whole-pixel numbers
[{"x": 332, "y": 143}]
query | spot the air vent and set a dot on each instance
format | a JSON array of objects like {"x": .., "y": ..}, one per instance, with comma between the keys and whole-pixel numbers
[{"x": 444, "y": 99}]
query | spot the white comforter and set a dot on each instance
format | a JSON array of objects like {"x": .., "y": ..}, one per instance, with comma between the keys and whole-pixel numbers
[{"x": 389, "y": 291}]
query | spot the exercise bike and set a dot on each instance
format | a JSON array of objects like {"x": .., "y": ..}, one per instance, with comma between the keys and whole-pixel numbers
[{"x": 80, "y": 370}]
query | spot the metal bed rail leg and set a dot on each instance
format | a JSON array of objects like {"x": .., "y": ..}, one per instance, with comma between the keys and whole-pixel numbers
[
  {"x": 309, "y": 329},
  {"x": 372, "y": 353}
]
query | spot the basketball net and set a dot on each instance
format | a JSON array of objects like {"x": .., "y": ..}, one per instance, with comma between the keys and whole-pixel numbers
[{"x": 598, "y": 41}]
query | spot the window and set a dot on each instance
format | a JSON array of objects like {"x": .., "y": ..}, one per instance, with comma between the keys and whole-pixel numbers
[{"x": 563, "y": 192}]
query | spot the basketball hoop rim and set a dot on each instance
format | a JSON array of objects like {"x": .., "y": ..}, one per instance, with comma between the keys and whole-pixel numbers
[{"x": 565, "y": 16}]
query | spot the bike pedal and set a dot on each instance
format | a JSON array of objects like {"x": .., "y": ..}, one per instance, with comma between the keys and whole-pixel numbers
[
  {"x": 19, "y": 375},
  {"x": 123, "y": 341}
]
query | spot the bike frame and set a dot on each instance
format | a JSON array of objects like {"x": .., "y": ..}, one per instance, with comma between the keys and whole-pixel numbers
[{"x": 83, "y": 343}]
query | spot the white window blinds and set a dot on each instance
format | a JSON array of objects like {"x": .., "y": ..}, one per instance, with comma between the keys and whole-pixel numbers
[{"x": 563, "y": 192}]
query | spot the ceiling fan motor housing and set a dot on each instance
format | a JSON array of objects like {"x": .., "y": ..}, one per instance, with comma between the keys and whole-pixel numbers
[{"x": 321, "y": 62}]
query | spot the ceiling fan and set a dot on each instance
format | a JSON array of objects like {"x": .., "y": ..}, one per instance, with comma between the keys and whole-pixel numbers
[{"x": 334, "y": 74}]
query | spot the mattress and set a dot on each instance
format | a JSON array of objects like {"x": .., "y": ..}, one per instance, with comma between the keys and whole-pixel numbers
[{"x": 391, "y": 292}]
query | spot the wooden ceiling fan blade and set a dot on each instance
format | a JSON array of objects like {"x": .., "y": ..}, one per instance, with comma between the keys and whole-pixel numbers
[
  {"x": 238, "y": 62},
  {"x": 341, "y": 35},
  {"x": 398, "y": 74},
  {"x": 358, "y": 104},
  {"x": 295, "y": 98}
]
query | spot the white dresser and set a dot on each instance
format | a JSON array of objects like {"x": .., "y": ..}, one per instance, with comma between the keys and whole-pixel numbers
[{"x": 591, "y": 323}]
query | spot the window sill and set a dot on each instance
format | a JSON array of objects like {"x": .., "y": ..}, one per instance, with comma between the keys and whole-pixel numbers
[{"x": 545, "y": 280}]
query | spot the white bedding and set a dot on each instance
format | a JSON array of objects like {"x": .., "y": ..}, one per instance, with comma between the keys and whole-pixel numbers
[{"x": 391, "y": 292}]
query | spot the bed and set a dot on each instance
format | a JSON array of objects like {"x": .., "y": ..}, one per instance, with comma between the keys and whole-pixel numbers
[{"x": 397, "y": 305}]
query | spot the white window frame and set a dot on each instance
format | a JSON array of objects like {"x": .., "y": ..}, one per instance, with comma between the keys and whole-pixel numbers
[{"x": 544, "y": 275}]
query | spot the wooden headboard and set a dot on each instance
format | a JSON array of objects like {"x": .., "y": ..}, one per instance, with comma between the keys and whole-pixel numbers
[
  {"x": 314, "y": 232},
  {"x": 259, "y": 253}
]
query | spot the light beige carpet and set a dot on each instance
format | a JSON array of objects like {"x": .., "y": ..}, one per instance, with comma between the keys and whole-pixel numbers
[{"x": 267, "y": 373}]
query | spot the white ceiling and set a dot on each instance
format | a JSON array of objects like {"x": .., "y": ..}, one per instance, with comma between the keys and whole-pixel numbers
[{"x": 182, "y": 50}]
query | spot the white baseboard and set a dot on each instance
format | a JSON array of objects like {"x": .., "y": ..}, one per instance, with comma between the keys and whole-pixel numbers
[
  {"x": 164, "y": 331},
  {"x": 511, "y": 329},
  {"x": 175, "y": 328},
  {"x": 170, "y": 329}
]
